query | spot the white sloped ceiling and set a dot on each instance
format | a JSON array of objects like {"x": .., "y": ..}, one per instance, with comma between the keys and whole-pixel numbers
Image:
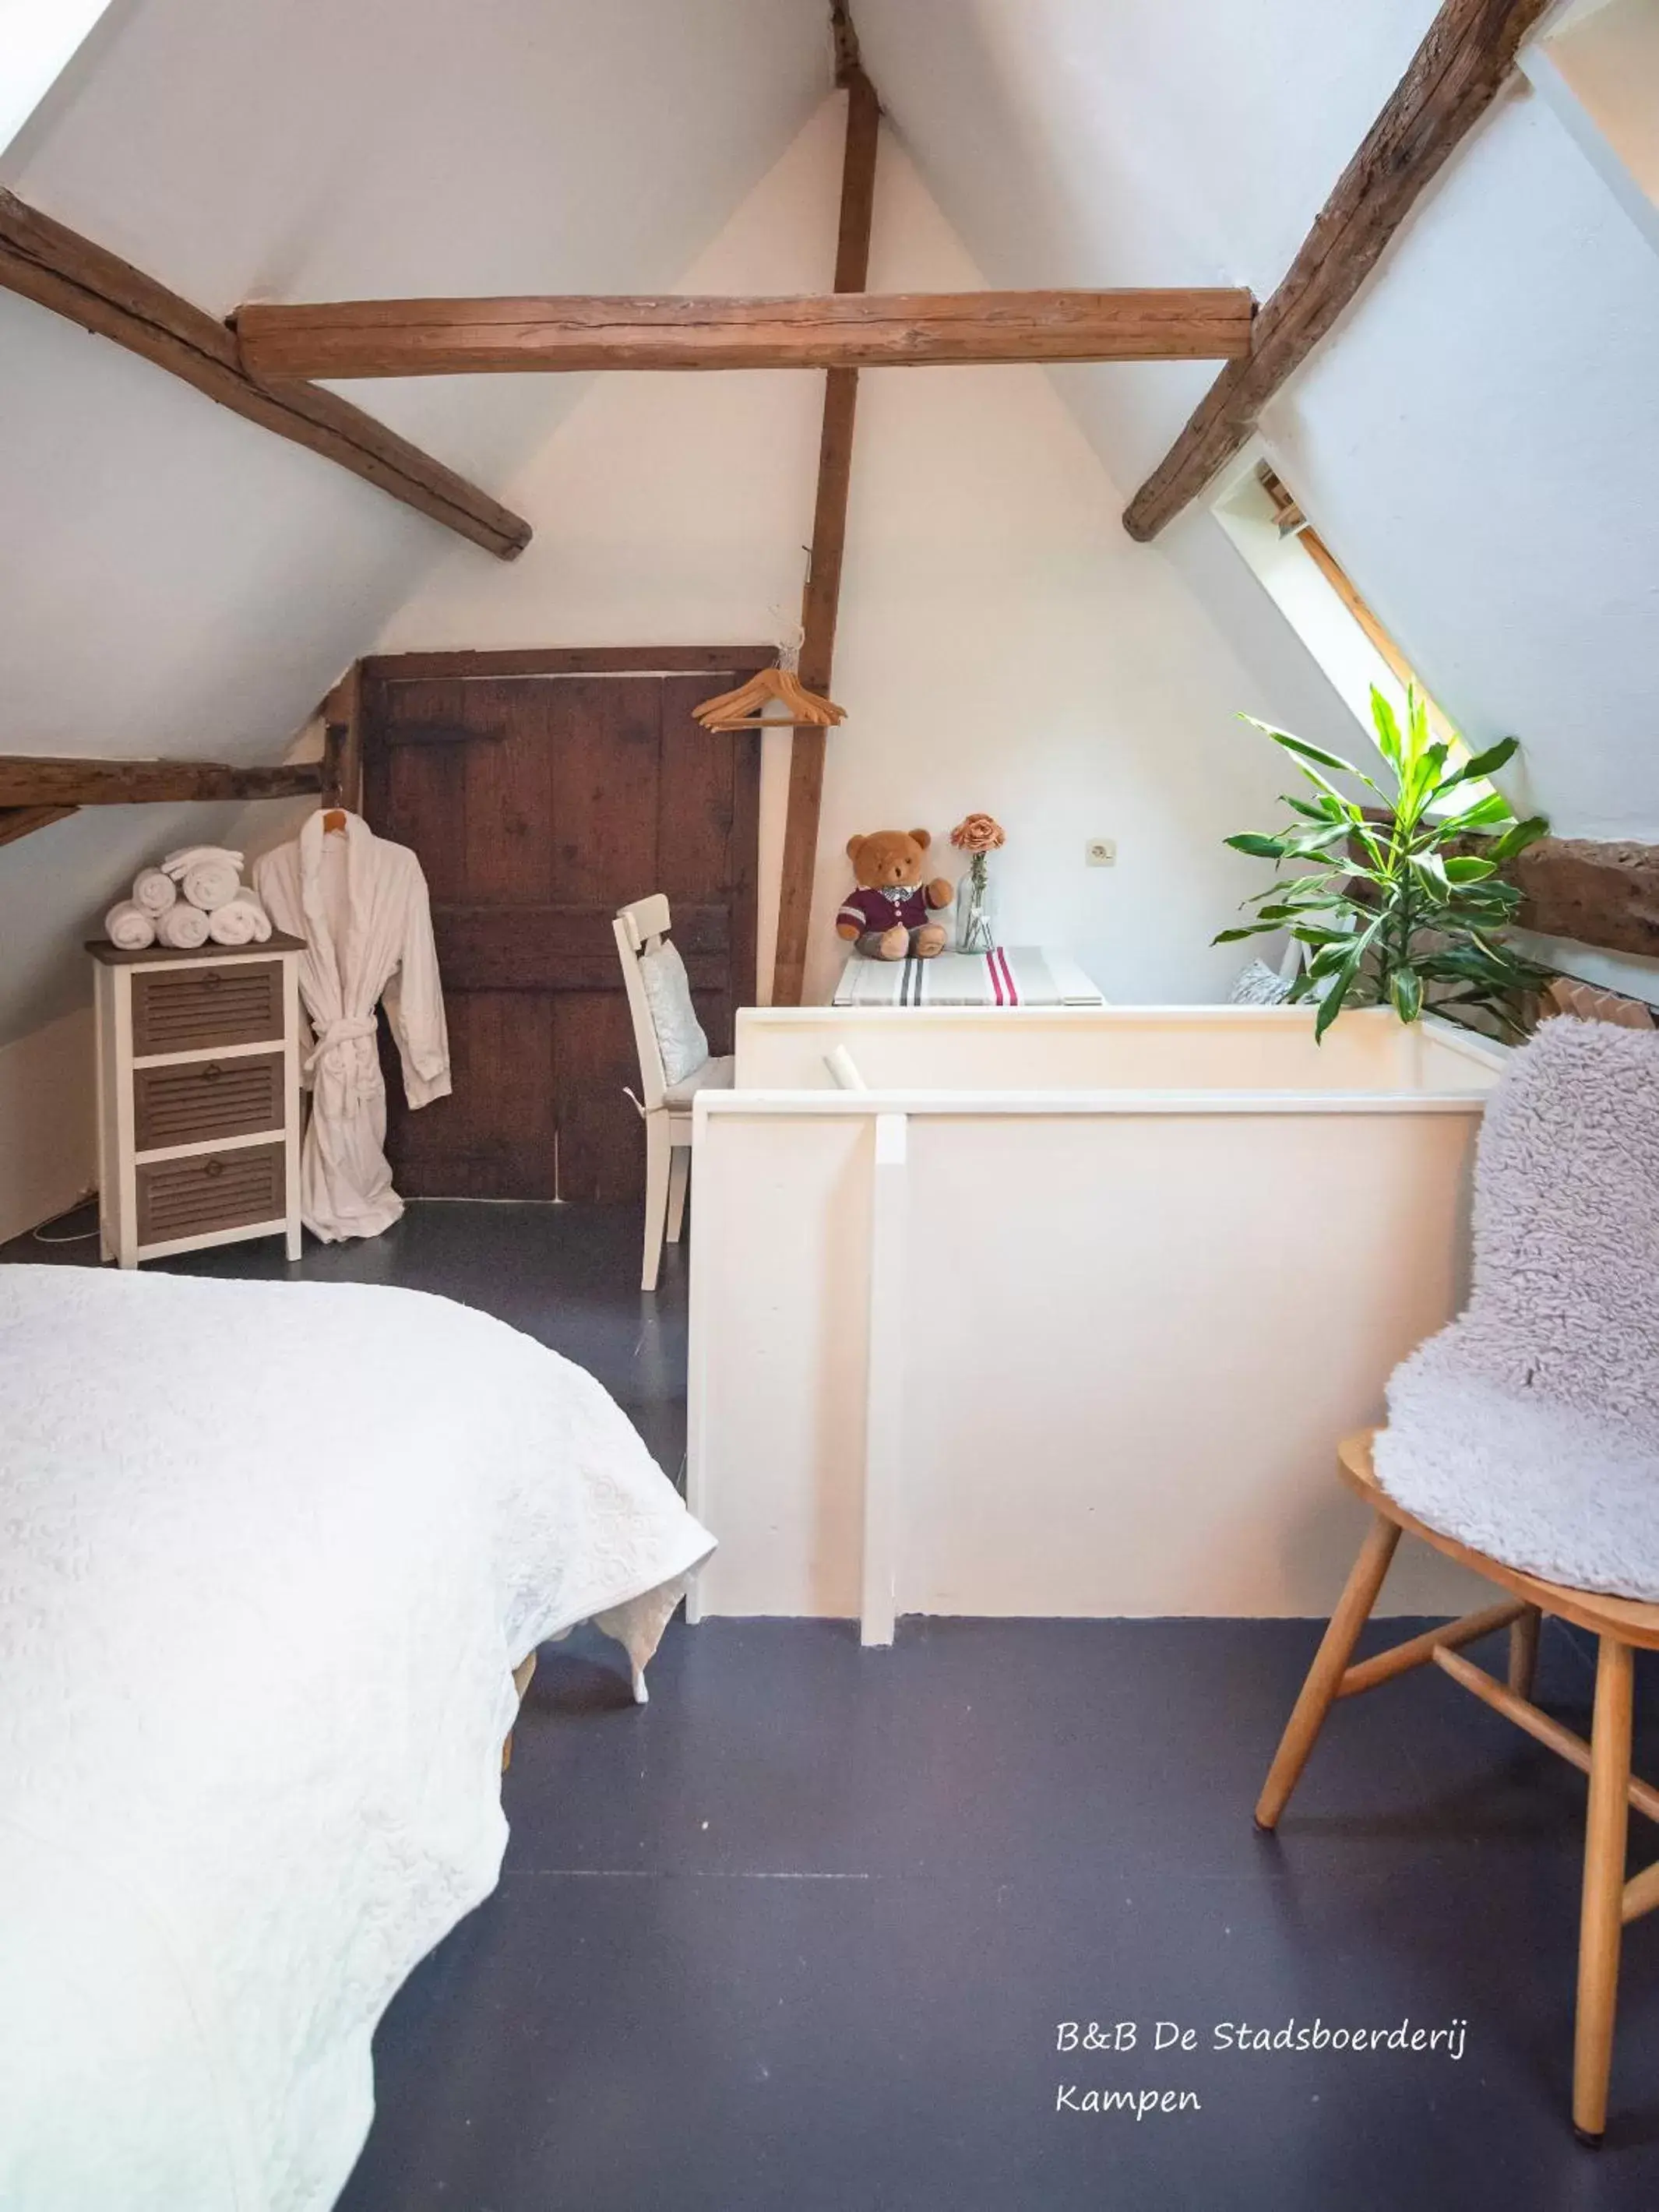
[
  {"x": 175, "y": 580},
  {"x": 1479, "y": 438}
]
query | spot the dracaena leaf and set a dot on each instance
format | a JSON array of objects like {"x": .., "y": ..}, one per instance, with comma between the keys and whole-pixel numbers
[
  {"x": 1480, "y": 765},
  {"x": 1517, "y": 837},
  {"x": 1305, "y": 752},
  {"x": 1487, "y": 811},
  {"x": 1405, "y": 989},
  {"x": 1258, "y": 848},
  {"x": 1387, "y": 729}
]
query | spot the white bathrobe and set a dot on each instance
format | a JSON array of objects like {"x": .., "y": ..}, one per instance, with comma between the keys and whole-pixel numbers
[{"x": 360, "y": 904}]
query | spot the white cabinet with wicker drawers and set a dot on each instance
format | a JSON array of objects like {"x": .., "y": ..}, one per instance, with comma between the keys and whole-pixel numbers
[{"x": 198, "y": 1098}]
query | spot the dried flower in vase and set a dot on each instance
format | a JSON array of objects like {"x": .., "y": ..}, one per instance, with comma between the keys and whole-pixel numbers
[{"x": 977, "y": 835}]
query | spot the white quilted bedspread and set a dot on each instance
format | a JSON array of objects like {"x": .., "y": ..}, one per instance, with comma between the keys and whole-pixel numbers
[{"x": 268, "y": 1555}]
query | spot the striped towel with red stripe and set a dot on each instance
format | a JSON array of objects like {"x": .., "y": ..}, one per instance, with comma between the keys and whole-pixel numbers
[{"x": 1011, "y": 975}]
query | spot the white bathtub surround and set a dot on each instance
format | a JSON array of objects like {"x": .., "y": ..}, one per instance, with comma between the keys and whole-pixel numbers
[
  {"x": 1198, "y": 1244},
  {"x": 1529, "y": 1429}
]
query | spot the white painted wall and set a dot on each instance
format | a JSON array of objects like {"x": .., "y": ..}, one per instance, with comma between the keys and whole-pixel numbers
[
  {"x": 1089, "y": 1392},
  {"x": 1002, "y": 644},
  {"x": 48, "y": 1141},
  {"x": 1478, "y": 440}
]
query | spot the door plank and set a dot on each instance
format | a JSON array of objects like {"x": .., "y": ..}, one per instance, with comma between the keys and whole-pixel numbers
[{"x": 538, "y": 804}]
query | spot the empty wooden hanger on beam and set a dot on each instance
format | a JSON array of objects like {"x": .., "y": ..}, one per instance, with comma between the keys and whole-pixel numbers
[{"x": 746, "y": 708}]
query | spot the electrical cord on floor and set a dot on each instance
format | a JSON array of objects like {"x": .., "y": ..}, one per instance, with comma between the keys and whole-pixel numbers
[{"x": 74, "y": 1236}]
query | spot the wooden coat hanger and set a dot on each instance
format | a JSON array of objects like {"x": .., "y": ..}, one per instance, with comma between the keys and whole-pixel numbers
[{"x": 746, "y": 708}]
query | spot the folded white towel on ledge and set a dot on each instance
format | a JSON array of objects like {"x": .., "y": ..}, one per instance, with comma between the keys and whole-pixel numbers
[
  {"x": 128, "y": 926},
  {"x": 241, "y": 921},
  {"x": 208, "y": 875},
  {"x": 183, "y": 927},
  {"x": 155, "y": 891}
]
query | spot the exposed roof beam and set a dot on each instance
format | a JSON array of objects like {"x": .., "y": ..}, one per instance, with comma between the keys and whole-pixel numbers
[
  {"x": 863, "y": 329},
  {"x": 17, "y": 822},
  {"x": 821, "y": 600},
  {"x": 58, "y": 269},
  {"x": 1596, "y": 891},
  {"x": 1453, "y": 77},
  {"x": 38, "y": 783}
]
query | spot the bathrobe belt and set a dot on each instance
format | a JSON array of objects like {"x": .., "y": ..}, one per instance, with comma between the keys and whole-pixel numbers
[{"x": 345, "y": 1050}]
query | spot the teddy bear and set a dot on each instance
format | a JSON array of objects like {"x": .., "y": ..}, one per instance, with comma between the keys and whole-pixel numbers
[{"x": 886, "y": 917}]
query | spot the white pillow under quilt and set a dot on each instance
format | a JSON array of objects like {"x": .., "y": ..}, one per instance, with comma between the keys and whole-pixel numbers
[{"x": 680, "y": 1036}]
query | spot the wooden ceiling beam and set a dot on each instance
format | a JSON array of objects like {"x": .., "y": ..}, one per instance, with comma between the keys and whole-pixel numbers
[
  {"x": 1456, "y": 73},
  {"x": 856, "y": 330},
  {"x": 1596, "y": 891},
  {"x": 27, "y": 781},
  {"x": 821, "y": 599},
  {"x": 57, "y": 268},
  {"x": 17, "y": 822}
]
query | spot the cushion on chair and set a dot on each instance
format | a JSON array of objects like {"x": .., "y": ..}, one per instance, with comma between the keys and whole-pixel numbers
[
  {"x": 680, "y": 1037},
  {"x": 1529, "y": 1429},
  {"x": 713, "y": 1075},
  {"x": 1258, "y": 985}
]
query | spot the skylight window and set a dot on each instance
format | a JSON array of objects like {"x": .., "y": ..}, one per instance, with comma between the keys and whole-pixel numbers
[
  {"x": 1321, "y": 603},
  {"x": 1599, "y": 70},
  {"x": 36, "y": 38}
]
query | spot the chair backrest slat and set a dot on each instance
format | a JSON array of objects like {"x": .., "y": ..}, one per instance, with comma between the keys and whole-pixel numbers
[{"x": 640, "y": 927}]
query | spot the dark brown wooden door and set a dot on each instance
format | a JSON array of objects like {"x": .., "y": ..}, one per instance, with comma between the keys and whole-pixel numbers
[{"x": 541, "y": 793}]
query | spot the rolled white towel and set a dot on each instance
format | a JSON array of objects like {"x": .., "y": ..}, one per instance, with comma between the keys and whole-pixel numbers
[
  {"x": 128, "y": 926},
  {"x": 154, "y": 889},
  {"x": 241, "y": 921},
  {"x": 183, "y": 927},
  {"x": 186, "y": 856},
  {"x": 208, "y": 875}
]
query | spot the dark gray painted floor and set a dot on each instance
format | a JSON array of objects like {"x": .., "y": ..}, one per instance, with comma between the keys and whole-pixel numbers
[{"x": 796, "y": 1937}]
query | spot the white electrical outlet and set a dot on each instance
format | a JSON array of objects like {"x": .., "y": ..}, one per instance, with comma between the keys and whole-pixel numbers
[{"x": 1101, "y": 852}]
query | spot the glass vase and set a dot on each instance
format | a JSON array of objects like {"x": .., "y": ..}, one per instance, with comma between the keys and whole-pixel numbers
[{"x": 976, "y": 917}]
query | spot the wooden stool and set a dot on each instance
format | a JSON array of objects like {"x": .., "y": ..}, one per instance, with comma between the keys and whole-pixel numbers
[{"x": 1622, "y": 1625}]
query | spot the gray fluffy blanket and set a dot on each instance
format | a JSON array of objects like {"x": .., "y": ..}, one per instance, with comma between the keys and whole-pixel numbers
[{"x": 1529, "y": 1428}]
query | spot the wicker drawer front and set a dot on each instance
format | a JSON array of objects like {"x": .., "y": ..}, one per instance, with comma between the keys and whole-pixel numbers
[
  {"x": 211, "y": 1191},
  {"x": 193, "y": 1009},
  {"x": 205, "y": 1098}
]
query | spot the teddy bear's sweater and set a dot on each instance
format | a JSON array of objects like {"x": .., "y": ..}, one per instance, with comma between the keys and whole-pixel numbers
[{"x": 905, "y": 905}]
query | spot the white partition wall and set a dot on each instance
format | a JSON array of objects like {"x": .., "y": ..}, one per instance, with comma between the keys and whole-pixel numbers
[
  {"x": 1139, "y": 1047},
  {"x": 1066, "y": 1352}
]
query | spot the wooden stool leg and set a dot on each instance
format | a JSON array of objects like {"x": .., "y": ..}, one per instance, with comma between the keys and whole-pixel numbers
[
  {"x": 1599, "y": 1926},
  {"x": 1319, "y": 1690},
  {"x": 1524, "y": 1652}
]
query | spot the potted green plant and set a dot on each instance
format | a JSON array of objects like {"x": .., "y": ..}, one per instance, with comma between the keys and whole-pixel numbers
[{"x": 1393, "y": 906}]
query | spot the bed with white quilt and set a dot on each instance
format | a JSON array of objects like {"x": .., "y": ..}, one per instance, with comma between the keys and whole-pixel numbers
[{"x": 269, "y": 1555}]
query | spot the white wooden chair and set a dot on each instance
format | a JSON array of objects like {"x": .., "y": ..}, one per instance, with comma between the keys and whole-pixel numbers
[{"x": 665, "y": 1107}]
